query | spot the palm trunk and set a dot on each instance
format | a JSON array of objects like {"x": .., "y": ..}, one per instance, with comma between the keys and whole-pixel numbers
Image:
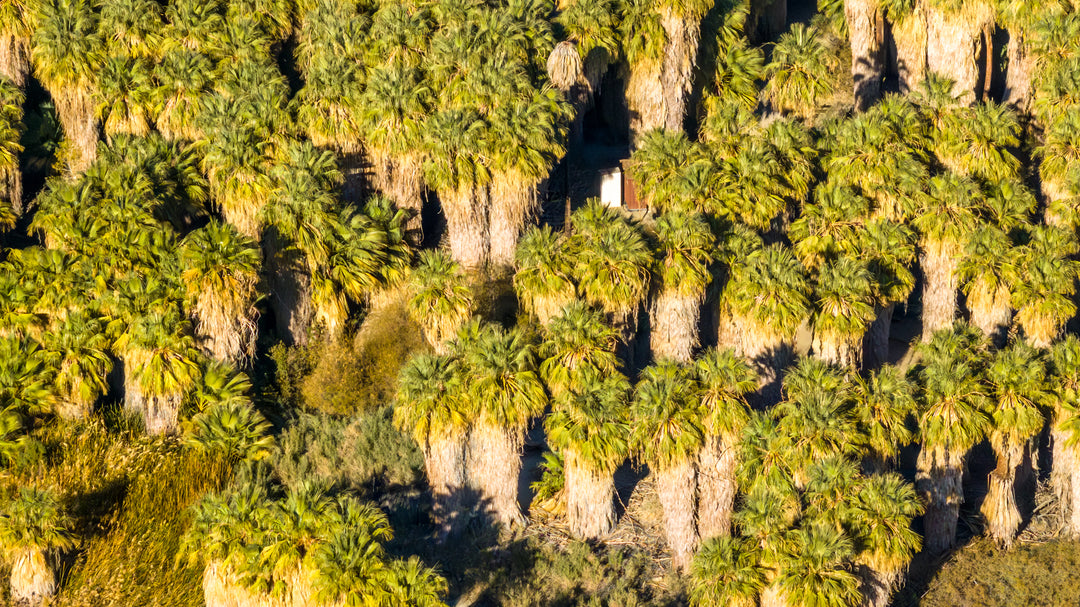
[
  {"x": 400, "y": 177},
  {"x": 991, "y": 312},
  {"x": 514, "y": 201},
  {"x": 162, "y": 413},
  {"x": 769, "y": 353},
  {"x": 674, "y": 326},
  {"x": 466, "y": 214},
  {"x": 32, "y": 580},
  {"x": 999, "y": 507},
  {"x": 677, "y": 71},
  {"x": 645, "y": 99},
  {"x": 590, "y": 507},
  {"x": 626, "y": 323},
  {"x": 444, "y": 462},
  {"x": 772, "y": 596},
  {"x": 877, "y": 585},
  {"x": 75, "y": 109},
  {"x": 228, "y": 331},
  {"x": 15, "y": 59},
  {"x": 876, "y": 340},
  {"x": 1040, "y": 330},
  {"x": 1056, "y": 193},
  {"x": 677, "y": 489},
  {"x": 493, "y": 467},
  {"x": 1021, "y": 68},
  {"x": 222, "y": 588},
  {"x": 939, "y": 261},
  {"x": 1065, "y": 479},
  {"x": 716, "y": 465},
  {"x": 954, "y": 40},
  {"x": 290, "y": 290},
  {"x": 910, "y": 36},
  {"x": 862, "y": 21},
  {"x": 939, "y": 479},
  {"x": 838, "y": 349}
]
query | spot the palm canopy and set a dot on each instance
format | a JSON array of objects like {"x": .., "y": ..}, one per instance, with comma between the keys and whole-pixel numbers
[
  {"x": 592, "y": 420},
  {"x": 613, "y": 258},
  {"x": 577, "y": 340},
  {"x": 954, "y": 408},
  {"x": 1017, "y": 378},
  {"x": 1047, "y": 282},
  {"x": 723, "y": 381},
  {"x": 727, "y": 571},
  {"x": 34, "y": 519},
  {"x": 813, "y": 572},
  {"x": 504, "y": 379},
  {"x": 798, "y": 73},
  {"x": 886, "y": 504},
  {"x": 431, "y": 400},
  {"x": 883, "y": 405},
  {"x": 668, "y": 430},
  {"x": 544, "y": 271},
  {"x": 441, "y": 297},
  {"x": 770, "y": 288}
]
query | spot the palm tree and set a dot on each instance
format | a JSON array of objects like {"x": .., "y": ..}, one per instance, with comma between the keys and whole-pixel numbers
[
  {"x": 682, "y": 21},
  {"x": 431, "y": 405},
  {"x": 441, "y": 300},
  {"x": 667, "y": 436},
  {"x": 948, "y": 214},
  {"x": 221, "y": 272},
  {"x": 576, "y": 341},
  {"x": 33, "y": 524},
  {"x": 506, "y": 387},
  {"x": 890, "y": 248},
  {"x": 682, "y": 259},
  {"x": 1016, "y": 376},
  {"x": 956, "y": 35},
  {"x": 988, "y": 271},
  {"x": 236, "y": 162},
  {"x": 885, "y": 542},
  {"x": 183, "y": 78},
  {"x": 767, "y": 295},
  {"x": 727, "y": 571},
  {"x": 953, "y": 417},
  {"x": 1064, "y": 387},
  {"x": 723, "y": 380},
  {"x": 1043, "y": 295},
  {"x": 11, "y": 113},
  {"x": 798, "y": 73},
  {"x": 78, "y": 348},
  {"x": 643, "y": 44},
  {"x": 1060, "y": 155},
  {"x": 845, "y": 302},
  {"x": 883, "y": 404},
  {"x": 975, "y": 142},
  {"x": 453, "y": 168},
  {"x": 66, "y": 52},
  {"x": 813, "y": 568},
  {"x": 16, "y": 27},
  {"x": 543, "y": 281},
  {"x": 588, "y": 425},
  {"x": 527, "y": 138}
]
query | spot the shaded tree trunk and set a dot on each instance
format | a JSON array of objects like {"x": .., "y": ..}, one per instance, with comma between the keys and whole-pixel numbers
[
  {"x": 877, "y": 586},
  {"x": 444, "y": 461},
  {"x": 673, "y": 330},
  {"x": 939, "y": 478},
  {"x": 11, "y": 189},
  {"x": 75, "y": 109},
  {"x": 15, "y": 59},
  {"x": 162, "y": 413},
  {"x": 492, "y": 467},
  {"x": 32, "y": 579},
  {"x": 769, "y": 353},
  {"x": 466, "y": 212},
  {"x": 991, "y": 313},
  {"x": 837, "y": 349},
  {"x": 910, "y": 37},
  {"x": 290, "y": 290},
  {"x": 939, "y": 261},
  {"x": 876, "y": 340},
  {"x": 862, "y": 21},
  {"x": 400, "y": 177},
  {"x": 717, "y": 487},
  {"x": 677, "y": 490},
  {"x": 514, "y": 202},
  {"x": 645, "y": 99},
  {"x": 1018, "y": 76},
  {"x": 590, "y": 507},
  {"x": 677, "y": 74}
]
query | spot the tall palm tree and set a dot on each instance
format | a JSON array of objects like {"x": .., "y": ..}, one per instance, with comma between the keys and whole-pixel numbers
[
  {"x": 543, "y": 282},
  {"x": 183, "y": 77},
  {"x": 723, "y": 380},
  {"x": 727, "y": 571},
  {"x": 577, "y": 341},
  {"x": 882, "y": 406},
  {"x": 79, "y": 350},
  {"x": 863, "y": 24},
  {"x": 885, "y": 505},
  {"x": 221, "y": 273},
  {"x": 431, "y": 405},
  {"x": 588, "y": 425},
  {"x": 682, "y": 21},
  {"x": 845, "y": 309},
  {"x": 956, "y": 34},
  {"x": 953, "y": 417},
  {"x": 1016, "y": 376},
  {"x": 11, "y": 113},
  {"x": 683, "y": 255},
  {"x": 1044, "y": 293},
  {"x": 441, "y": 300},
  {"x": 237, "y": 164},
  {"x": 643, "y": 44},
  {"x": 667, "y": 436},
  {"x": 767, "y": 295},
  {"x": 1064, "y": 388},
  {"x": 33, "y": 524},
  {"x": 506, "y": 387},
  {"x": 947, "y": 214},
  {"x": 798, "y": 73},
  {"x": 977, "y": 141},
  {"x": 66, "y": 53},
  {"x": 988, "y": 270}
]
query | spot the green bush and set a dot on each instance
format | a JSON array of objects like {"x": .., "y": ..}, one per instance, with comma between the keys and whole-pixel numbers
[{"x": 363, "y": 454}]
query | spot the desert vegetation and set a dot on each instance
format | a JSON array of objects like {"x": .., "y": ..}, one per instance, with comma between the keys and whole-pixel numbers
[{"x": 315, "y": 303}]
